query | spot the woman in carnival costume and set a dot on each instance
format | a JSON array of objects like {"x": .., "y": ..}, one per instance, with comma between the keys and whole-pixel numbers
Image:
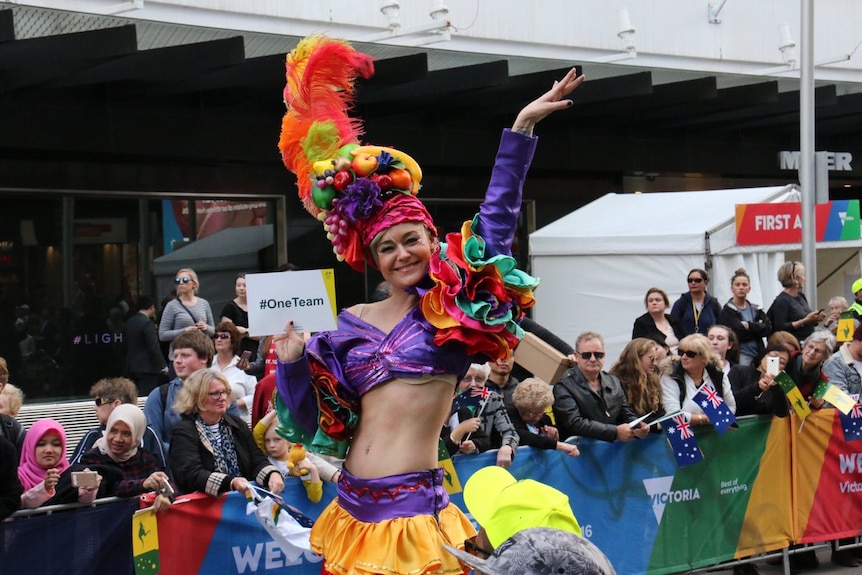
[{"x": 384, "y": 378}]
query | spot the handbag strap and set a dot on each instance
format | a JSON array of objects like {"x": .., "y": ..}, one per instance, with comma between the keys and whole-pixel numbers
[{"x": 194, "y": 320}]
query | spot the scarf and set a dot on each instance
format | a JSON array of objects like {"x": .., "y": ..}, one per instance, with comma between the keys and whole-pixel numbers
[
  {"x": 220, "y": 440},
  {"x": 29, "y": 472},
  {"x": 132, "y": 416}
]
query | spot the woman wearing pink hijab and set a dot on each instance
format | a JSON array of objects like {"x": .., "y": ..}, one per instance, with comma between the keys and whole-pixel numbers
[{"x": 43, "y": 460}]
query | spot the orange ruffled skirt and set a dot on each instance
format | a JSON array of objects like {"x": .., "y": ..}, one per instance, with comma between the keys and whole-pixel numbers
[
  {"x": 352, "y": 547},
  {"x": 391, "y": 546}
]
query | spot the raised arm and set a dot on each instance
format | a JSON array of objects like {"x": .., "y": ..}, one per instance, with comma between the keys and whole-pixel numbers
[{"x": 548, "y": 103}]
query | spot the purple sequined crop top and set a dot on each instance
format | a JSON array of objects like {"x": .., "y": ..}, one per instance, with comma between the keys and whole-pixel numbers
[{"x": 362, "y": 357}]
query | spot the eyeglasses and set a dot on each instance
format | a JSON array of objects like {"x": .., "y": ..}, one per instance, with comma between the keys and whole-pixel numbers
[
  {"x": 184, "y": 280},
  {"x": 476, "y": 378},
  {"x": 473, "y": 549},
  {"x": 221, "y": 336},
  {"x": 217, "y": 394},
  {"x": 588, "y": 355},
  {"x": 689, "y": 353},
  {"x": 695, "y": 280},
  {"x": 102, "y": 401}
]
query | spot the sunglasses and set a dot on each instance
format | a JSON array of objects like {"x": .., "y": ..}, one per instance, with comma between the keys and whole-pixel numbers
[
  {"x": 689, "y": 353},
  {"x": 221, "y": 336},
  {"x": 217, "y": 394},
  {"x": 695, "y": 280},
  {"x": 99, "y": 401},
  {"x": 184, "y": 280},
  {"x": 473, "y": 549},
  {"x": 588, "y": 355}
]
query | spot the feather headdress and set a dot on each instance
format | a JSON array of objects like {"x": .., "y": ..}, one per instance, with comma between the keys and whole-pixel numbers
[{"x": 347, "y": 186}]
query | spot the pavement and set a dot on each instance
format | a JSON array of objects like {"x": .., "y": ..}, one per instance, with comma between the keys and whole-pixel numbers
[{"x": 826, "y": 566}]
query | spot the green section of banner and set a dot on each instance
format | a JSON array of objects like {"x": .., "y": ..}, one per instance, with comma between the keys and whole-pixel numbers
[
  {"x": 704, "y": 509},
  {"x": 850, "y": 230}
]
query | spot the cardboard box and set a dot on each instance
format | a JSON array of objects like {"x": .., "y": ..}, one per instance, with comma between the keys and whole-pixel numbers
[{"x": 539, "y": 358}]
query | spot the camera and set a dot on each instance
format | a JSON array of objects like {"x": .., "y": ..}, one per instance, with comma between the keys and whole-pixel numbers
[{"x": 167, "y": 490}]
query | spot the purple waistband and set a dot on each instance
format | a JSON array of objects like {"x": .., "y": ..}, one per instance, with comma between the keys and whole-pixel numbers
[{"x": 393, "y": 496}]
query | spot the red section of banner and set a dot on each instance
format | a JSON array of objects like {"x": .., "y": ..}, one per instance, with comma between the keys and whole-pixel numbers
[
  {"x": 837, "y": 504},
  {"x": 760, "y": 224},
  {"x": 177, "y": 556}
]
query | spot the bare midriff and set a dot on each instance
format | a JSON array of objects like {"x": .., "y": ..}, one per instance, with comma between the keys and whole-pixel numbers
[{"x": 399, "y": 427}]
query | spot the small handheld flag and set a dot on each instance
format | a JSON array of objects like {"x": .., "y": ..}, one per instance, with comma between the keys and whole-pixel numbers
[
  {"x": 835, "y": 396},
  {"x": 681, "y": 438},
  {"x": 851, "y": 422},
  {"x": 794, "y": 396},
  {"x": 713, "y": 405},
  {"x": 450, "y": 477}
]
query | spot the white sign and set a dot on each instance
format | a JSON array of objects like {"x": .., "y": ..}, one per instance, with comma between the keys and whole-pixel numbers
[{"x": 307, "y": 298}]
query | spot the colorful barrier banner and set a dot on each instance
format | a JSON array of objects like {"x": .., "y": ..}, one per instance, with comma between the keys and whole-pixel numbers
[
  {"x": 828, "y": 479},
  {"x": 645, "y": 513}
]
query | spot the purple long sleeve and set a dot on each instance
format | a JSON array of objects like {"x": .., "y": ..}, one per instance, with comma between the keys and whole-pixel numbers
[{"x": 498, "y": 215}]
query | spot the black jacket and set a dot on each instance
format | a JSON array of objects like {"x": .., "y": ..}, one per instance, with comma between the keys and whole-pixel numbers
[
  {"x": 750, "y": 400},
  {"x": 644, "y": 326},
  {"x": 761, "y": 327},
  {"x": 581, "y": 411},
  {"x": 143, "y": 352},
  {"x": 193, "y": 464},
  {"x": 10, "y": 487}
]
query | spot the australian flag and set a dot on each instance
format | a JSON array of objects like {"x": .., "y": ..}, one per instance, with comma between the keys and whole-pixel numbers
[
  {"x": 851, "y": 423},
  {"x": 472, "y": 399},
  {"x": 682, "y": 440},
  {"x": 712, "y": 404}
]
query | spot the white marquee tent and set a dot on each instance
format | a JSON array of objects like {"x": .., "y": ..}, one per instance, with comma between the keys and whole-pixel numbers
[{"x": 597, "y": 262}]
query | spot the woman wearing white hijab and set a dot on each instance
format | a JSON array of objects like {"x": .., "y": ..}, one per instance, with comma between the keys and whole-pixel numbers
[{"x": 120, "y": 447}]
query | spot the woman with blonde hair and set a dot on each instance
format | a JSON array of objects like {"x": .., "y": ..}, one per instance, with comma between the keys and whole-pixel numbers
[
  {"x": 697, "y": 365},
  {"x": 186, "y": 312},
  {"x": 636, "y": 369},
  {"x": 211, "y": 450},
  {"x": 532, "y": 398}
]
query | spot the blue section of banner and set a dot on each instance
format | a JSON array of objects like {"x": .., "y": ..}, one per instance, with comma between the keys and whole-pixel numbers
[
  {"x": 86, "y": 540},
  {"x": 241, "y": 545},
  {"x": 607, "y": 486},
  {"x": 170, "y": 228},
  {"x": 834, "y": 224}
]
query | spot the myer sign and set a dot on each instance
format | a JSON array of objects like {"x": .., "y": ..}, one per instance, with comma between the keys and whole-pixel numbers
[{"x": 835, "y": 161}]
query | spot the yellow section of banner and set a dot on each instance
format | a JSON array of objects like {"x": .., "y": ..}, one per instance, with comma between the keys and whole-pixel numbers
[
  {"x": 813, "y": 444},
  {"x": 764, "y": 519}
]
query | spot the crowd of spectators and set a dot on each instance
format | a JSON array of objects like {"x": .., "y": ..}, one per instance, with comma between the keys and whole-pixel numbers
[{"x": 194, "y": 433}]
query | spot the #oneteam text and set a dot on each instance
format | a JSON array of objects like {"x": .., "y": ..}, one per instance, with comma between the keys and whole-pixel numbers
[
  {"x": 676, "y": 496},
  {"x": 273, "y": 303}
]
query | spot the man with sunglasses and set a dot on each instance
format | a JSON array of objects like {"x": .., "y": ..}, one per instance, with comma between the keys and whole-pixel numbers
[
  {"x": 108, "y": 394},
  {"x": 589, "y": 402}
]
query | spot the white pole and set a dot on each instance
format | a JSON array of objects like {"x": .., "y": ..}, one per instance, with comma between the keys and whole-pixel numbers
[{"x": 806, "y": 149}]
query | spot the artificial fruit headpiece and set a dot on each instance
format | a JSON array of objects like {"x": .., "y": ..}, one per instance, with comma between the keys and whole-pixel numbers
[{"x": 348, "y": 186}]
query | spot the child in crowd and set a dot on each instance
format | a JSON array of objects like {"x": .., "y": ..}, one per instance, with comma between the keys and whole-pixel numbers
[
  {"x": 43, "y": 463},
  {"x": 11, "y": 399},
  {"x": 311, "y": 468}
]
